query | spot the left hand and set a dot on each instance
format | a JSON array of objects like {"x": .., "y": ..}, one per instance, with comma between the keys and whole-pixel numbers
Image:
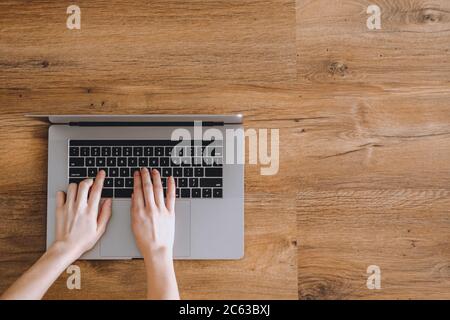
[{"x": 80, "y": 217}]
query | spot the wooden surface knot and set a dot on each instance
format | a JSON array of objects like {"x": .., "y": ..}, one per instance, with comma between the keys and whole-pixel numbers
[{"x": 337, "y": 68}]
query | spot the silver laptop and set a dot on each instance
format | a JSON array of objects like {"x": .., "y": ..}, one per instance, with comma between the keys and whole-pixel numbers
[{"x": 210, "y": 187}]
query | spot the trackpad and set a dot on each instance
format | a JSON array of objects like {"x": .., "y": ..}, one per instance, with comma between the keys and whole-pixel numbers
[
  {"x": 118, "y": 240},
  {"x": 182, "y": 245}
]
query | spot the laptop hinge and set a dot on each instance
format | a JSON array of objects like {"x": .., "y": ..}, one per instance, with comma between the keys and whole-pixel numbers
[{"x": 144, "y": 124}]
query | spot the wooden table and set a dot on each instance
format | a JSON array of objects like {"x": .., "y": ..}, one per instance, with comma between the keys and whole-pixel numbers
[{"x": 364, "y": 119}]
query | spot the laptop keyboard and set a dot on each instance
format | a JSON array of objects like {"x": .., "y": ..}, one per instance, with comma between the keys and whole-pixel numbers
[{"x": 197, "y": 169}]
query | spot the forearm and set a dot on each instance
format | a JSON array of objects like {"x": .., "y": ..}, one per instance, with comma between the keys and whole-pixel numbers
[
  {"x": 161, "y": 280},
  {"x": 34, "y": 283}
]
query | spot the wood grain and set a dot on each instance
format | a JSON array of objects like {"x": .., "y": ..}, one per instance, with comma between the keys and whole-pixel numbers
[
  {"x": 364, "y": 128},
  {"x": 375, "y": 141},
  {"x": 150, "y": 57}
]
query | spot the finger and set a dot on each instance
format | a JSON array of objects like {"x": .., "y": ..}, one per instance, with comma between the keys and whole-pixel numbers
[
  {"x": 104, "y": 216},
  {"x": 147, "y": 187},
  {"x": 157, "y": 188},
  {"x": 96, "y": 190},
  {"x": 60, "y": 216},
  {"x": 60, "y": 199},
  {"x": 71, "y": 193},
  {"x": 138, "y": 197},
  {"x": 83, "y": 190},
  {"x": 170, "y": 197}
]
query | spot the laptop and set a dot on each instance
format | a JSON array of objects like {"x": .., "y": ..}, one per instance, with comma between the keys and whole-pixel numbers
[{"x": 209, "y": 206}]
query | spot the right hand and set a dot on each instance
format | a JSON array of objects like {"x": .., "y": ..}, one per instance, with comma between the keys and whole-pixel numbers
[{"x": 152, "y": 218}]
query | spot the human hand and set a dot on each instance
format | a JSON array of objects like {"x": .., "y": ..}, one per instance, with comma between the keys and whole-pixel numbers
[
  {"x": 79, "y": 225},
  {"x": 152, "y": 218},
  {"x": 79, "y": 222},
  {"x": 153, "y": 224}
]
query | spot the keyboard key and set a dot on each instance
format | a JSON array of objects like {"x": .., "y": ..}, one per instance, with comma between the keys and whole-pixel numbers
[
  {"x": 185, "y": 193},
  {"x": 177, "y": 172},
  {"x": 74, "y": 151},
  {"x": 206, "y": 193},
  {"x": 191, "y": 151},
  {"x": 138, "y": 152},
  {"x": 218, "y": 162},
  {"x": 104, "y": 169},
  {"x": 159, "y": 151},
  {"x": 132, "y": 170},
  {"x": 148, "y": 151},
  {"x": 186, "y": 162},
  {"x": 129, "y": 183},
  {"x": 109, "y": 183},
  {"x": 218, "y": 152},
  {"x": 92, "y": 172},
  {"x": 164, "y": 162},
  {"x": 106, "y": 151},
  {"x": 122, "y": 162},
  {"x": 113, "y": 172},
  {"x": 132, "y": 162},
  {"x": 207, "y": 162},
  {"x": 85, "y": 152},
  {"x": 95, "y": 151},
  {"x": 168, "y": 151},
  {"x": 197, "y": 162},
  {"x": 166, "y": 172},
  {"x": 199, "y": 172},
  {"x": 188, "y": 172},
  {"x": 111, "y": 162},
  {"x": 198, "y": 152},
  {"x": 100, "y": 162},
  {"x": 210, "y": 182},
  {"x": 182, "y": 182},
  {"x": 217, "y": 193},
  {"x": 75, "y": 180},
  {"x": 123, "y": 193},
  {"x": 209, "y": 152},
  {"x": 77, "y": 172},
  {"x": 76, "y": 162},
  {"x": 213, "y": 172},
  {"x": 164, "y": 182},
  {"x": 119, "y": 182},
  {"x": 177, "y": 192},
  {"x": 153, "y": 162},
  {"x": 143, "y": 162},
  {"x": 127, "y": 151},
  {"x": 107, "y": 193},
  {"x": 124, "y": 172},
  {"x": 196, "y": 193},
  {"x": 193, "y": 183},
  {"x": 116, "y": 152},
  {"x": 175, "y": 161},
  {"x": 178, "y": 151},
  {"x": 90, "y": 162}
]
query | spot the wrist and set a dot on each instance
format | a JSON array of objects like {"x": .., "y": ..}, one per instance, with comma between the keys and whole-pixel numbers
[
  {"x": 158, "y": 258},
  {"x": 65, "y": 250}
]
